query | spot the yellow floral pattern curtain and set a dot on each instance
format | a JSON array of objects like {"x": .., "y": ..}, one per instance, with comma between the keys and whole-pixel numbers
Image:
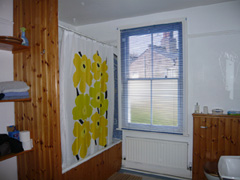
[
  {"x": 96, "y": 127},
  {"x": 86, "y": 98}
]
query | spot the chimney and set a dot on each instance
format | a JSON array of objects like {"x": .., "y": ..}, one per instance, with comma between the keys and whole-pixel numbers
[{"x": 169, "y": 42}]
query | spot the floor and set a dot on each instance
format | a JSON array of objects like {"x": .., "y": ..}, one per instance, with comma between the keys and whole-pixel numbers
[{"x": 146, "y": 176}]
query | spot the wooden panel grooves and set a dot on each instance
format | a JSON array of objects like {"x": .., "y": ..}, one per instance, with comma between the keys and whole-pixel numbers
[
  {"x": 40, "y": 72},
  {"x": 213, "y": 136},
  {"x": 100, "y": 167},
  {"x": 41, "y": 116}
]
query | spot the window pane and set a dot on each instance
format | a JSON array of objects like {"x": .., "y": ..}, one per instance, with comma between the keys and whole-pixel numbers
[
  {"x": 139, "y": 102},
  {"x": 140, "y": 56},
  {"x": 165, "y": 55},
  {"x": 152, "y": 78},
  {"x": 165, "y": 102}
]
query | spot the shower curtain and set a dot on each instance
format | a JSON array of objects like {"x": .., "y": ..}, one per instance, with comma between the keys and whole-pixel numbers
[{"x": 86, "y": 97}]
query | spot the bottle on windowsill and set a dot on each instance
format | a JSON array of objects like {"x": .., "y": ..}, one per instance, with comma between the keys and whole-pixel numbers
[{"x": 197, "y": 107}]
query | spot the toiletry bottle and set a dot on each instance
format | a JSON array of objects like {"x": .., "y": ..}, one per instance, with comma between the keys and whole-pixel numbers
[
  {"x": 197, "y": 108},
  {"x": 23, "y": 37},
  {"x": 205, "y": 110}
]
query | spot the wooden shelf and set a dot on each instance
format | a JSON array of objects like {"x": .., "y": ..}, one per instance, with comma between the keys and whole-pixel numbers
[
  {"x": 11, "y": 46},
  {"x": 15, "y": 48},
  {"x": 2, "y": 158},
  {"x": 16, "y": 100},
  {"x": 214, "y": 116}
]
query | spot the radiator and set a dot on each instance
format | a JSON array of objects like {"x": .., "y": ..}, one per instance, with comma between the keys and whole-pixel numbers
[{"x": 157, "y": 155}]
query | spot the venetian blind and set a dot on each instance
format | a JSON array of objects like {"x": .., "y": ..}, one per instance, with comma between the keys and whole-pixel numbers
[{"x": 152, "y": 78}]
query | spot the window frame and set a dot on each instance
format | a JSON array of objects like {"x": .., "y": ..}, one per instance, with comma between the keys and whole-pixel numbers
[{"x": 155, "y": 128}]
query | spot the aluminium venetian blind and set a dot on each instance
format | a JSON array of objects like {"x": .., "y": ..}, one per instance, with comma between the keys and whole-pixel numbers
[{"x": 152, "y": 78}]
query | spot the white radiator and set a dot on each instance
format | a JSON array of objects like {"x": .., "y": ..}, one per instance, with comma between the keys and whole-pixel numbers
[{"x": 160, "y": 156}]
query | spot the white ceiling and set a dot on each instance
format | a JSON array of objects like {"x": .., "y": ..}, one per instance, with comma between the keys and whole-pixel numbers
[{"x": 82, "y": 12}]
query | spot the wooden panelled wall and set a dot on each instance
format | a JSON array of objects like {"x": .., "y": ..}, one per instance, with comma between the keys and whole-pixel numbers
[
  {"x": 40, "y": 71},
  {"x": 213, "y": 136},
  {"x": 38, "y": 67},
  {"x": 100, "y": 167}
]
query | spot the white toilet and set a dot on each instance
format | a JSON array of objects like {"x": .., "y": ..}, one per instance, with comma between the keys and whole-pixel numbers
[
  {"x": 211, "y": 170},
  {"x": 228, "y": 167}
]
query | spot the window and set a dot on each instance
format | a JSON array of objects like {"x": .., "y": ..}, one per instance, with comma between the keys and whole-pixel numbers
[{"x": 152, "y": 78}]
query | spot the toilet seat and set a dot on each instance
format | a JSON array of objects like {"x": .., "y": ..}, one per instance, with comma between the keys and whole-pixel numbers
[{"x": 211, "y": 167}]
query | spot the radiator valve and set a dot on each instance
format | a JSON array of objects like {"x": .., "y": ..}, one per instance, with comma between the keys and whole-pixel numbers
[{"x": 190, "y": 166}]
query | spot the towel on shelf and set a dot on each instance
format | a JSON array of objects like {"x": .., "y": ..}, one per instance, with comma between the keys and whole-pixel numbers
[
  {"x": 16, "y": 94},
  {"x": 13, "y": 86},
  {"x": 14, "y": 97}
]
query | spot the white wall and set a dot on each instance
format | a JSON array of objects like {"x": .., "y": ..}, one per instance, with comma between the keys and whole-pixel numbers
[
  {"x": 213, "y": 51},
  {"x": 8, "y": 168}
]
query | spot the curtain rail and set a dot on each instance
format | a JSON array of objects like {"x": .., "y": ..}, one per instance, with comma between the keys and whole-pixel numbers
[{"x": 68, "y": 29}]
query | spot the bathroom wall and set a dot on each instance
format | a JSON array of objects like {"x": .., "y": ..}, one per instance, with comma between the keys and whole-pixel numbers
[
  {"x": 213, "y": 36},
  {"x": 213, "y": 56},
  {"x": 213, "y": 32},
  {"x": 8, "y": 168}
]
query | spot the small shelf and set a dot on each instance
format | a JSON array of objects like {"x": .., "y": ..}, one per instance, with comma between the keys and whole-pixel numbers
[
  {"x": 215, "y": 116},
  {"x": 8, "y": 156},
  {"x": 11, "y": 46},
  {"x": 16, "y": 100}
]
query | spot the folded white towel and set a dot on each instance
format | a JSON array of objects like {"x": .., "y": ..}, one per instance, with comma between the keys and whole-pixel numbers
[{"x": 13, "y": 86}]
